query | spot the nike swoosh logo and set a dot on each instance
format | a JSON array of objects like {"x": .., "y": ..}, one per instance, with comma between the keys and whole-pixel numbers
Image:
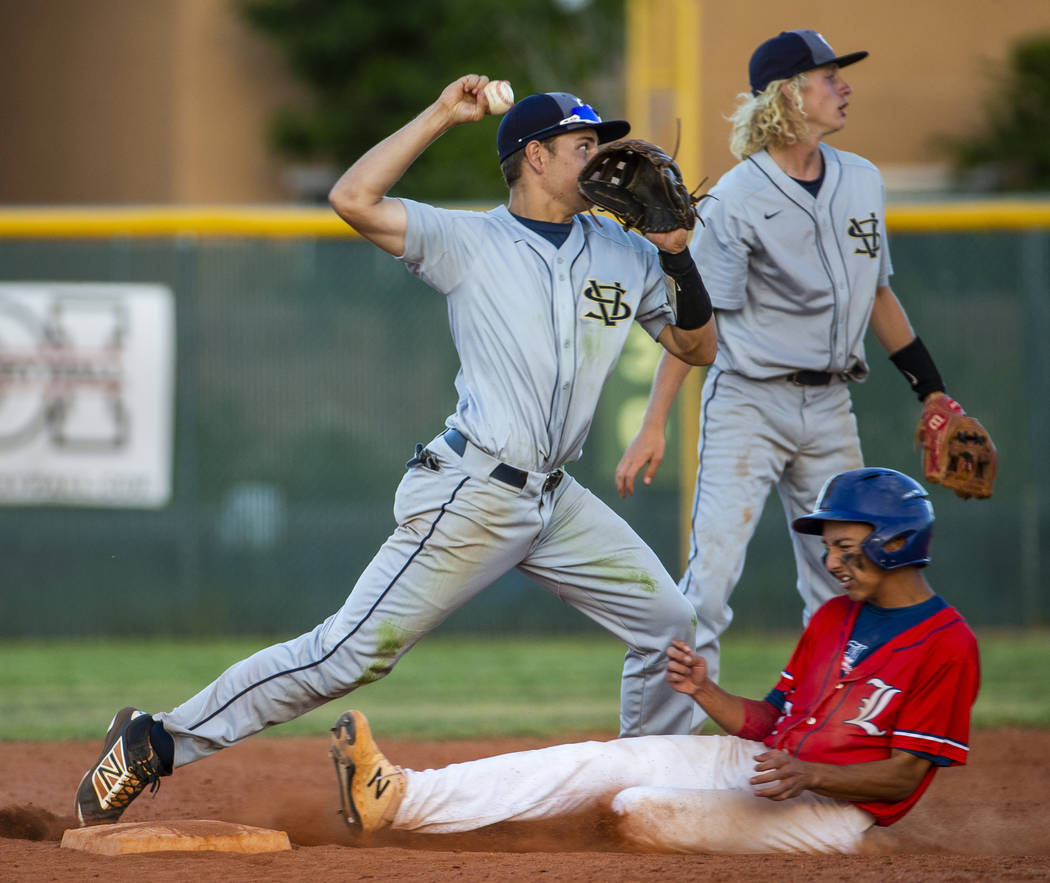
[{"x": 773, "y": 214}]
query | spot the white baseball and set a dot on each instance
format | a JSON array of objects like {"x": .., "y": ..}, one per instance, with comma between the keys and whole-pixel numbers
[{"x": 500, "y": 96}]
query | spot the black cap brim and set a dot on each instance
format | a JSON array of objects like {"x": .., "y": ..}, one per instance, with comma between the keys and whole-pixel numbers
[
  {"x": 612, "y": 130},
  {"x": 608, "y": 130},
  {"x": 848, "y": 59}
]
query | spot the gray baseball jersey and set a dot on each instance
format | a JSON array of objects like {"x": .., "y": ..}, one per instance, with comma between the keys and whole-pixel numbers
[
  {"x": 795, "y": 275},
  {"x": 792, "y": 278},
  {"x": 538, "y": 329}
]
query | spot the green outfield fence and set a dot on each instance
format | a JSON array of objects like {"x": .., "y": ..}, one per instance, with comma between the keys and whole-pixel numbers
[{"x": 309, "y": 363}]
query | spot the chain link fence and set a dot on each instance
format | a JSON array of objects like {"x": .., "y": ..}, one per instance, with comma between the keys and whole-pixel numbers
[{"x": 308, "y": 366}]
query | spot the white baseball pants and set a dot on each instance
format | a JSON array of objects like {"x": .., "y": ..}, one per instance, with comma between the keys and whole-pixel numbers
[{"x": 671, "y": 794}]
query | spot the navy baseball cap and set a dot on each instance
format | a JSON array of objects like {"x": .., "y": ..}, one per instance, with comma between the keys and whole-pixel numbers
[
  {"x": 547, "y": 114},
  {"x": 790, "y": 53}
]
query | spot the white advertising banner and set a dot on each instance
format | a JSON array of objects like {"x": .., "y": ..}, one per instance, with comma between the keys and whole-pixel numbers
[{"x": 87, "y": 382}]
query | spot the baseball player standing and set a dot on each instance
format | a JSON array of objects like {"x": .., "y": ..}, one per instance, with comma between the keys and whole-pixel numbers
[
  {"x": 797, "y": 262},
  {"x": 540, "y": 301},
  {"x": 875, "y": 698}
]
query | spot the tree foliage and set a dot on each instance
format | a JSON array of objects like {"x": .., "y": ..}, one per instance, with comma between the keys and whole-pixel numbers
[
  {"x": 1012, "y": 152},
  {"x": 370, "y": 68}
]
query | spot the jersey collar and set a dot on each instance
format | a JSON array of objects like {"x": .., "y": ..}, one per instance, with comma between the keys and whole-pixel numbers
[{"x": 791, "y": 188}]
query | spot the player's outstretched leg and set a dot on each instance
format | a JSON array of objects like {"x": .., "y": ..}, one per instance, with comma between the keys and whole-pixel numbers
[
  {"x": 126, "y": 766},
  {"x": 370, "y": 786}
]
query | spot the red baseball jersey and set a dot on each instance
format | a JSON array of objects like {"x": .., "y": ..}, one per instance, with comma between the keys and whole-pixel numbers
[{"x": 914, "y": 692}]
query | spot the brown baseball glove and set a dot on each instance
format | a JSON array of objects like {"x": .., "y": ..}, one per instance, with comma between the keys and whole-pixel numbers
[
  {"x": 639, "y": 185},
  {"x": 957, "y": 450}
]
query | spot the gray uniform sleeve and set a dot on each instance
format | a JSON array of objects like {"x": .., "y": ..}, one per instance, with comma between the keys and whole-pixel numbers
[
  {"x": 721, "y": 251},
  {"x": 655, "y": 312},
  {"x": 438, "y": 244}
]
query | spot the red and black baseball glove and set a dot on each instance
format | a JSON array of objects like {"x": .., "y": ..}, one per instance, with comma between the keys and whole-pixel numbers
[{"x": 957, "y": 450}]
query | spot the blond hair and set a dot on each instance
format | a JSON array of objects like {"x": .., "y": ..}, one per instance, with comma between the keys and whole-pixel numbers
[{"x": 769, "y": 119}]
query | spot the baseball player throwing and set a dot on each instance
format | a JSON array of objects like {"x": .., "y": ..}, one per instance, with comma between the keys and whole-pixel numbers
[
  {"x": 875, "y": 698},
  {"x": 540, "y": 301},
  {"x": 796, "y": 258}
]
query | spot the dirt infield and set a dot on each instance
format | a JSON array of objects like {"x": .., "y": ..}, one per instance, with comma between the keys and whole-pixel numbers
[{"x": 988, "y": 821}]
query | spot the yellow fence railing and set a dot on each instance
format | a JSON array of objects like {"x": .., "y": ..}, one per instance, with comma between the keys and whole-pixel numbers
[
  {"x": 70, "y": 222},
  {"x": 145, "y": 221},
  {"x": 955, "y": 217}
]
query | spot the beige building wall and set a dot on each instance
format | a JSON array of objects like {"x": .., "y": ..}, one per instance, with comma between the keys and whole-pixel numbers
[
  {"x": 928, "y": 74},
  {"x": 136, "y": 101},
  {"x": 167, "y": 101}
]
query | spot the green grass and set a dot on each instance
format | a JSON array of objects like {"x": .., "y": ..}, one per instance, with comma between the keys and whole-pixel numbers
[{"x": 445, "y": 688}]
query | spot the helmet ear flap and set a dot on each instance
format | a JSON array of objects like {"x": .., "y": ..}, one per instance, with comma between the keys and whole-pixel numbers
[{"x": 884, "y": 552}]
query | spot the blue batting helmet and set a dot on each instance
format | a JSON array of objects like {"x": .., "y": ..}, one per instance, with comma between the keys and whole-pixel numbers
[{"x": 896, "y": 506}]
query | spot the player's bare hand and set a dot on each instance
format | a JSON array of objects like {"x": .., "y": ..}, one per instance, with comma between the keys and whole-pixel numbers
[
  {"x": 780, "y": 775},
  {"x": 686, "y": 669},
  {"x": 673, "y": 241},
  {"x": 463, "y": 101},
  {"x": 647, "y": 449}
]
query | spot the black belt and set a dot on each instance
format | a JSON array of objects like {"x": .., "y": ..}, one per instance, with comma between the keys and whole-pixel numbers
[
  {"x": 507, "y": 474},
  {"x": 810, "y": 378}
]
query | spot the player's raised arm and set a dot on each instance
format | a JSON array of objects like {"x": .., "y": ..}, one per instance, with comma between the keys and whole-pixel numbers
[{"x": 359, "y": 196}]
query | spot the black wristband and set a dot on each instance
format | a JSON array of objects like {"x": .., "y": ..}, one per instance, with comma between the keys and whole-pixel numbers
[
  {"x": 692, "y": 302},
  {"x": 916, "y": 364}
]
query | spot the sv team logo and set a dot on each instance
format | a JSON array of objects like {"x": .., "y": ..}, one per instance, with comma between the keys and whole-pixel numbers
[
  {"x": 611, "y": 307},
  {"x": 867, "y": 231},
  {"x": 872, "y": 706}
]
